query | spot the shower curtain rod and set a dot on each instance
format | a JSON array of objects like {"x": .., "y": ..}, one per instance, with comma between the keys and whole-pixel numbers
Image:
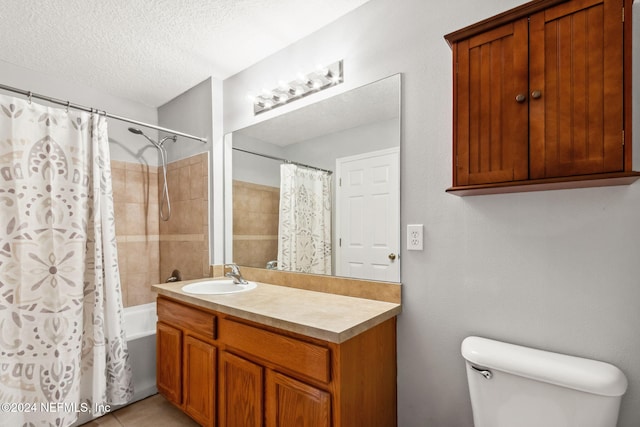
[
  {"x": 68, "y": 104},
  {"x": 283, "y": 160}
]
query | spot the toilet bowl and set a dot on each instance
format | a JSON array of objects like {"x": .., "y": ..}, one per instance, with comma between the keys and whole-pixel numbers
[{"x": 515, "y": 386}]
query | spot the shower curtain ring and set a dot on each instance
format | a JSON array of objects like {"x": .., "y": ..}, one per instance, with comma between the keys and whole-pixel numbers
[
  {"x": 30, "y": 95},
  {"x": 68, "y": 106}
]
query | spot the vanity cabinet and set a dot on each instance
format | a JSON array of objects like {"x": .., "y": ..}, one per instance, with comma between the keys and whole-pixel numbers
[
  {"x": 186, "y": 360},
  {"x": 169, "y": 362},
  {"x": 244, "y": 373},
  {"x": 288, "y": 401},
  {"x": 241, "y": 391},
  {"x": 199, "y": 380},
  {"x": 542, "y": 98}
]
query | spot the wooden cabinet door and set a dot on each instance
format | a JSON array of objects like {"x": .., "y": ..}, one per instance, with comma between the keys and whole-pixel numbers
[
  {"x": 491, "y": 108},
  {"x": 290, "y": 403},
  {"x": 200, "y": 380},
  {"x": 576, "y": 62},
  {"x": 241, "y": 390},
  {"x": 169, "y": 362}
]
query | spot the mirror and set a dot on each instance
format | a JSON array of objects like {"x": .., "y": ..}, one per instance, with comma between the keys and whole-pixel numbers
[{"x": 340, "y": 155}]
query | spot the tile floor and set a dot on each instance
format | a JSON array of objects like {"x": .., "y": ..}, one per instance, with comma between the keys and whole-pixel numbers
[{"x": 154, "y": 411}]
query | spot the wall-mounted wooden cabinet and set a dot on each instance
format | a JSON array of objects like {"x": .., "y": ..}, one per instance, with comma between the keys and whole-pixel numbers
[
  {"x": 542, "y": 98},
  {"x": 229, "y": 372}
]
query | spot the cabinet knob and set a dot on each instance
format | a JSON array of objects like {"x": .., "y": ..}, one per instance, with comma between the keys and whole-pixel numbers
[
  {"x": 520, "y": 98},
  {"x": 392, "y": 256},
  {"x": 536, "y": 94}
]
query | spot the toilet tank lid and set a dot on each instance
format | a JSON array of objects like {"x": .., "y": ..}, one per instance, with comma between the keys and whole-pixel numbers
[{"x": 586, "y": 375}]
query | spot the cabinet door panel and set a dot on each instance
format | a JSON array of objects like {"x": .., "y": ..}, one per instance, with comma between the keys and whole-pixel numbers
[
  {"x": 577, "y": 65},
  {"x": 241, "y": 389},
  {"x": 199, "y": 380},
  {"x": 491, "y": 131},
  {"x": 291, "y": 403},
  {"x": 169, "y": 362}
]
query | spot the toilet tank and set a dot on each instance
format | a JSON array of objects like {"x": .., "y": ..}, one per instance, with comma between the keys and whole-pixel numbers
[{"x": 515, "y": 386}]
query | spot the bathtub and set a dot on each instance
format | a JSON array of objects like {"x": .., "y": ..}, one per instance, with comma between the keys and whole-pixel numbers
[{"x": 140, "y": 329}]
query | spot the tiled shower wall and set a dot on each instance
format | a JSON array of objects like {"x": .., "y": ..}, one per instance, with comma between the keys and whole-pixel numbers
[
  {"x": 255, "y": 223},
  {"x": 184, "y": 239},
  {"x": 135, "y": 196},
  {"x": 149, "y": 249}
]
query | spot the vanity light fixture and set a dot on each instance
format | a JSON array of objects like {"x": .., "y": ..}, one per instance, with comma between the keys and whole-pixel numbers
[{"x": 305, "y": 84}]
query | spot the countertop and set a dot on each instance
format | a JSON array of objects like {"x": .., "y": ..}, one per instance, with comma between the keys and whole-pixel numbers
[{"x": 329, "y": 317}]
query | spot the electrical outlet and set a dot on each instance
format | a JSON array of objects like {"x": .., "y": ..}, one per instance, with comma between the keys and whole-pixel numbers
[{"x": 415, "y": 236}]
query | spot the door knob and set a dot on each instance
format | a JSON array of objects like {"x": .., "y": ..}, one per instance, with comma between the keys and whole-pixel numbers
[
  {"x": 520, "y": 98},
  {"x": 392, "y": 256},
  {"x": 536, "y": 94}
]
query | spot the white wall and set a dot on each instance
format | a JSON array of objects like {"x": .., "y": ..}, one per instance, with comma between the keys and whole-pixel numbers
[
  {"x": 124, "y": 145},
  {"x": 323, "y": 151},
  {"x": 198, "y": 112},
  {"x": 256, "y": 169},
  {"x": 557, "y": 269},
  {"x": 190, "y": 113}
]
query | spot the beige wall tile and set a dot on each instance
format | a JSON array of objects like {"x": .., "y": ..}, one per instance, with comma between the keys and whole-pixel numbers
[
  {"x": 184, "y": 238},
  {"x": 139, "y": 289},
  {"x": 137, "y": 228},
  {"x": 196, "y": 182},
  {"x": 184, "y": 183},
  {"x": 139, "y": 254},
  {"x": 120, "y": 214},
  {"x": 135, "y": 191},
  {"x": 255, "y": 253},
  {"x": 118, "y": 181},
  {"x": 152, "y": 219},
  {"x": 173, "y": 181},
  {"x": 135, "y": 219}
]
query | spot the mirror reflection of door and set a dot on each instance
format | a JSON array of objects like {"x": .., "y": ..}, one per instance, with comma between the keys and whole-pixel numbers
[{"x": 368, "y": 217}]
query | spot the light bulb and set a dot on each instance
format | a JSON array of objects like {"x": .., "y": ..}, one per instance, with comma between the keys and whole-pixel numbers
[{"x": 325, "y": 71}]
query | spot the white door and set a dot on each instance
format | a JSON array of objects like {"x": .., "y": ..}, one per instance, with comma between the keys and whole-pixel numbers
[{"x": 368, "y": 215}]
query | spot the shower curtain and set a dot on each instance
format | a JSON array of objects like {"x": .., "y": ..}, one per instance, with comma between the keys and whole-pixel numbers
[
  {"x": 304, "y": 229},
  {"x": 62, "y": 345}
]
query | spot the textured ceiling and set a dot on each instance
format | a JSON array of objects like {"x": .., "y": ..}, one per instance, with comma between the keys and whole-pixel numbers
[{"x": 153, "y": 50}]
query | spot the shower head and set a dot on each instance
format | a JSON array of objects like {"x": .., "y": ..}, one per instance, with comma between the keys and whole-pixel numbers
[
  {"x": 157, "y": 144},
  {"x": 139, "y": 132},
  {"x": 173, "y": 138}
]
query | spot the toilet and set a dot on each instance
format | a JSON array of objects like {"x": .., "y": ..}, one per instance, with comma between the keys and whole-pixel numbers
[{"x": 515, "y": 386}]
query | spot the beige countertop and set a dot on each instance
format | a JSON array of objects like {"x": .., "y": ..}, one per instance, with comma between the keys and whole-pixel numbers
[{"x": 330, "y": 317}]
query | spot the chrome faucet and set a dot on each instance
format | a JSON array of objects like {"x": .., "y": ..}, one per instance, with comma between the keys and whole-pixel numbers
[
  {"x": 235, "y": 274},
  {"x": 272, "y": 265},
  {"x": 176, "y": 276}
]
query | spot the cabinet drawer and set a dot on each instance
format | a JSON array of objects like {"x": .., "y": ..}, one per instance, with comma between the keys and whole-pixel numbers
[
  {"x": 185, "y": 317},
  {"x": 298, "y": 356}
]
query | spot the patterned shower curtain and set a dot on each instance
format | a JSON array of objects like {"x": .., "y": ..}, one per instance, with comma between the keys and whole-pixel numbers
[
  {"x": 304, "y": 231},
  {"x": 62, "y": 345}
]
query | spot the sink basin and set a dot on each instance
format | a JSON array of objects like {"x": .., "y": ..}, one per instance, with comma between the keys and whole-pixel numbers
[{"x": 217, "y": 287}]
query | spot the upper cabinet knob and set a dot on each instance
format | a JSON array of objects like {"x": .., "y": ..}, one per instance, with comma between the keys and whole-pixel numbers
[
  {"x": 520, "y": 98},
  {"x": 536, "y": 94}
]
